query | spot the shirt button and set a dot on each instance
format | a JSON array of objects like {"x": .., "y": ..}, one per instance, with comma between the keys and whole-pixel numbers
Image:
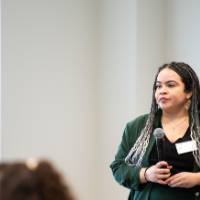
[{"x": 196, "y": 194}]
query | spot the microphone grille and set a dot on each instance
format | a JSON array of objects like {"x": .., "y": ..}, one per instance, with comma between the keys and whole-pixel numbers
[{"x": 159, "y": 133}]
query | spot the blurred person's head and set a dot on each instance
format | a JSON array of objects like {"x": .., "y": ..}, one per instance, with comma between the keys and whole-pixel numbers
[{"x": 32, "y": 181}]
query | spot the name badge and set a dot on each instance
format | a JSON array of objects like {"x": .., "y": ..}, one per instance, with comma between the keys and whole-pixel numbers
[{"x": 185, "y": 147}]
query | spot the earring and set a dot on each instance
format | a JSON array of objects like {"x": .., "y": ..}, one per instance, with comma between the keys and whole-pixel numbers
[{"x": 187, "y": 105}]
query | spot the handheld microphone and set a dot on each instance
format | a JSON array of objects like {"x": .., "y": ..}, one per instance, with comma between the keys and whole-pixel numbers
[{"x": 159, "y": 136}]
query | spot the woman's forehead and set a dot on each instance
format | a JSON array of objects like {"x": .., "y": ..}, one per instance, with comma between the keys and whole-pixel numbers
[{"x": 168, "y": 75}]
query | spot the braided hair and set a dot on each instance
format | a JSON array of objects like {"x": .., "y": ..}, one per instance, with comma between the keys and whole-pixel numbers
[{"x": 191, "y": 83}]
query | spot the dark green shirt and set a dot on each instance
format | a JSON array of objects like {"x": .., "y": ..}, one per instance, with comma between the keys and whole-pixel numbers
[{"x": 128, "y": 176}]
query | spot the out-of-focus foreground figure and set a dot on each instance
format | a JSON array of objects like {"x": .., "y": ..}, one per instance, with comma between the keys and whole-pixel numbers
[{"x": 32, "y": 181}]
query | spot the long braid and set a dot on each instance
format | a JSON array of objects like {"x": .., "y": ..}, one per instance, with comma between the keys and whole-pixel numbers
[
  {"x": 190, "y": 79},
  {"x": 135, "y": 155},
  {"x": 195, "y": 105},
  {"x": 194, "y": 112}
]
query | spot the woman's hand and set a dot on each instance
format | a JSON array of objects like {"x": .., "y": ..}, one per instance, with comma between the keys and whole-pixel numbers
[
  {"x": 184, "y": 180},
  {"x": 158, "y": 173}
]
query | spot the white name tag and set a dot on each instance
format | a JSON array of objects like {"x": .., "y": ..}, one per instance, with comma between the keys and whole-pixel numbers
[{"x": 185, "y": 147}]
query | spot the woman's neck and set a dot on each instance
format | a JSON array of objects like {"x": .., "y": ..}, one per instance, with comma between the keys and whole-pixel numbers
[{"x": 174, "y": 115}]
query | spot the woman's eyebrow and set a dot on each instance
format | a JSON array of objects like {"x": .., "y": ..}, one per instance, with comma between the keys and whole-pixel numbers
[{"x": 169, "y": 81}]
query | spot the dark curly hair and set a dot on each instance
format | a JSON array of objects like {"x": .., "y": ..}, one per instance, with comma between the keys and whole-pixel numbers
[
  {"x": 20, "y": 182},
  {"x": 191, "y": 83}
]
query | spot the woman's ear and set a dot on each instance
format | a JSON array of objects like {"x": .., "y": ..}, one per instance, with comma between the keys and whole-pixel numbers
[{"x": 189, "y": 95}]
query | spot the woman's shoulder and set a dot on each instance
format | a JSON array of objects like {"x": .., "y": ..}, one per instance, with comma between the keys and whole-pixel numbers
[
  {"x": 138, "y": 121},
  {"x": 134, "y": 127}
]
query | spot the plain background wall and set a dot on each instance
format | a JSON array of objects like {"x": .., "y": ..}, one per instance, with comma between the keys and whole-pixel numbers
[
  {"x": 74, "y": 72},
  {"x": 49, "y": 86},
  {"x": 150, "y": 52},
  {"x": 0, "y": 91},
  {"x": 182, "y": 32},
  {"x": 116, "y": 81}
]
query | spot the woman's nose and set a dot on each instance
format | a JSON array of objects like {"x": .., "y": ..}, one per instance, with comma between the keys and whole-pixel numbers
[{"x": 163, "y": 90}]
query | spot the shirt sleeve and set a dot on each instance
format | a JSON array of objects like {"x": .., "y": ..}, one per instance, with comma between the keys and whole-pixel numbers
[{"x": 123, "y": 173}]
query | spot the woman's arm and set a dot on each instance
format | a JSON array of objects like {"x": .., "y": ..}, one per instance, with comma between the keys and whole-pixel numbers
[
  {"x": 143, "y": 178},
  {"x": 125, "y": 174}
]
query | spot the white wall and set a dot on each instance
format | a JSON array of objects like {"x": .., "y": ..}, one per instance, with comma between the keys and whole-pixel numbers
[
  {"x": 116, "y": 81},
  {"x": 0, "y": 90},
  {"x": 183, "y": 32},
  {"x": 150, "y": 50},
  {"x": 74, "y": 72},
  {"x": 48, "y": 87}
]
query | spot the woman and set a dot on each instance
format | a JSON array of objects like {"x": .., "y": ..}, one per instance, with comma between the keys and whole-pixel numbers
[
  {"x": 32, "y": 180},
  {"x": 175, "y": 108}
]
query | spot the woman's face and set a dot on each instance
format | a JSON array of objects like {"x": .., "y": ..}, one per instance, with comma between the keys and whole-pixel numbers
[{"x": 170, "y": 94}]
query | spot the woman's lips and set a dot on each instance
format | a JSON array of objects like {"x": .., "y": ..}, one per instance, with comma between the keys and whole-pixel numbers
[{"x": 163, "y": 99}]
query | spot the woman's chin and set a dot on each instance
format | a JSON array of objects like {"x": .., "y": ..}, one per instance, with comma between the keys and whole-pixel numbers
[{"x": 166, "y": 108}]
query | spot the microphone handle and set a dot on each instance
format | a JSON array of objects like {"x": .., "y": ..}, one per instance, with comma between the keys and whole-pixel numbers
[{"x": 159, "y": 145}]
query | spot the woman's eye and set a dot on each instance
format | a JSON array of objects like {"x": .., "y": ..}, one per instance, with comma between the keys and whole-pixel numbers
[
  {"x": 171, "y": 85},
  {"x": 158, "y": 86}
]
